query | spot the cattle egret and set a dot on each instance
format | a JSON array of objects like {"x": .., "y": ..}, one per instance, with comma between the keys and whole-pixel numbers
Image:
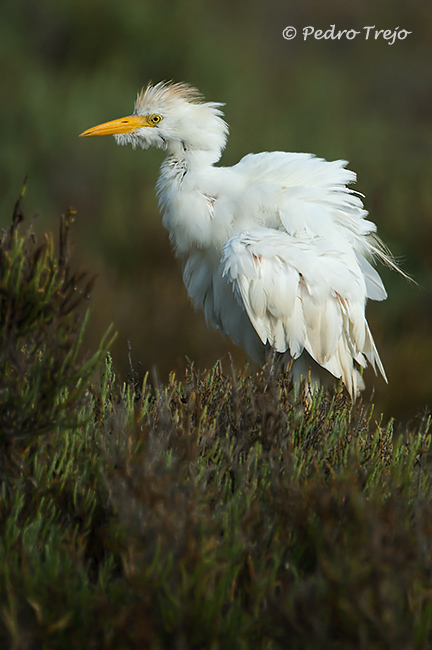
[{"x": 277, "y": 249}]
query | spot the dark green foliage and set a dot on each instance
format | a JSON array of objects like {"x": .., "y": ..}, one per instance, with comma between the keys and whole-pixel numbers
[
  {"x": 41, "y": 327},
  {"x": 219, "y": 511}
]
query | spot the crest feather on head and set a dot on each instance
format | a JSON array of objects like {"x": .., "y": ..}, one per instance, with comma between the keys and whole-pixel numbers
[{"x": 166, "y": 92}]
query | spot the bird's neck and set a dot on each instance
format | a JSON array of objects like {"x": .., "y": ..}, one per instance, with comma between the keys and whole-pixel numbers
[
  {"x": 186, "y": 202},
  {"x": 190, "y": 156},
  {"x": 173, "y": 169},
  {"x": 180, "y": 162}
]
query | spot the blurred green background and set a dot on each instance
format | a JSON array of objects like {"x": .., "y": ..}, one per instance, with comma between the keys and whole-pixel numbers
[{"x": 67, "y": 65}]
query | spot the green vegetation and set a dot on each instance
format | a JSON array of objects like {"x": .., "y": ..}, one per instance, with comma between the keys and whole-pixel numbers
[
  {"x": 216, "y": 511},
  {"x": 41, "y": 381}
]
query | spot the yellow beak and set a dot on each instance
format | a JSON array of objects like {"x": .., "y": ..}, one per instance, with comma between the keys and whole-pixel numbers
[{"x": 122, "y": 125}]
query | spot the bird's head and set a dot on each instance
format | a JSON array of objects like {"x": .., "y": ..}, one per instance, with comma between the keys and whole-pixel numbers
[{"x": 170, "y": 116}]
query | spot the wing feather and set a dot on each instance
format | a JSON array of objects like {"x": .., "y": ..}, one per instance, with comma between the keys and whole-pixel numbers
[{"x": 302, "y": 293}]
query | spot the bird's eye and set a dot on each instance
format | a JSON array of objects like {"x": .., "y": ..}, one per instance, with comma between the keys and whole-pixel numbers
[{"x": 155, "y": 119}]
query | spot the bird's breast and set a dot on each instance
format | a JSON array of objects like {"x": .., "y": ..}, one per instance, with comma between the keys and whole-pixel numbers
[{"x": 197, "y": 218}]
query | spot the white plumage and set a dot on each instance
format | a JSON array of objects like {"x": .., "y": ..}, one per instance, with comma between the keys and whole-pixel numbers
[{"x": 276, "y": 249}]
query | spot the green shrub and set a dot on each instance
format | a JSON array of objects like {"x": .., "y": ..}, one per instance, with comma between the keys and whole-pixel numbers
[
  {"x": 42, "y": 378},
  {"x": 216, "y": 511}
]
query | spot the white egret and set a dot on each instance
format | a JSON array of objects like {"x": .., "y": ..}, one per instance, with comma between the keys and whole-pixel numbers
[{"x": 276, "y": 249}]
